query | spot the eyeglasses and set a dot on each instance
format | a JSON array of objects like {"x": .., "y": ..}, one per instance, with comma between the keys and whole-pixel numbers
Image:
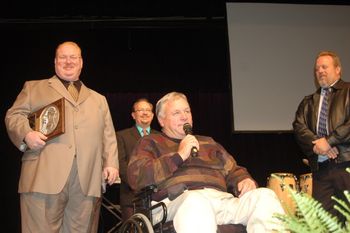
[
  {"x": 65, "y": 58},
  {"x": 143, "y": 110}
]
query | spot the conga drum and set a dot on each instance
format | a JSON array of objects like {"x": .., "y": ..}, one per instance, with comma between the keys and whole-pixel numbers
[
  {"x": 279, "y": 185},
  {"x": 305, "y": 183}
]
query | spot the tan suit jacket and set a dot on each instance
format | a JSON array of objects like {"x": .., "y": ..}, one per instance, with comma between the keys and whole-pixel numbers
[{"x": 89, "y": 135}]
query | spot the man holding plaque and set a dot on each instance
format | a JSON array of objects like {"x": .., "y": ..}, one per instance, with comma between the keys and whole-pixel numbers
[{"x": 67, "y": 135}]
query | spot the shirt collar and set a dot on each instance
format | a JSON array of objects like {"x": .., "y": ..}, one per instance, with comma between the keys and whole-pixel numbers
[
  {"x": 139, "y": 128},
  {"x": 76, "y": 83},
  {"x": 172, "y": 139}
]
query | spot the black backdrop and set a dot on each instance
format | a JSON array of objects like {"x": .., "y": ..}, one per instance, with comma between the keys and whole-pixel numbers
[{"x": 129, "y": 59}]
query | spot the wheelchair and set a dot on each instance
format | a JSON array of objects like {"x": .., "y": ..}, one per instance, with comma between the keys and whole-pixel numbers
[{"x": 141, "y": 221}]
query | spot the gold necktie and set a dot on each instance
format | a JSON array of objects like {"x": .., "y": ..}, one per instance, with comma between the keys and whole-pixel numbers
[{"x": 73, "y": 91}]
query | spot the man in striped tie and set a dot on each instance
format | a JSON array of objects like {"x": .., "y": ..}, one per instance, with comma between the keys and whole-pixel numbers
[
  {"x": 142, "y": 113},
  {"x": 322, "y": 129}
]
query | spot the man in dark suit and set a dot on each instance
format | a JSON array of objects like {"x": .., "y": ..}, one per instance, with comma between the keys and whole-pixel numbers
[{"x": 142, "y": 113}]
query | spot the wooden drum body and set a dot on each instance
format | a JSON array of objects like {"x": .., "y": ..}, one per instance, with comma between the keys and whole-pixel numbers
[
  {"x": 279, "y": 185},
  {"x": 305, "y": 183}
]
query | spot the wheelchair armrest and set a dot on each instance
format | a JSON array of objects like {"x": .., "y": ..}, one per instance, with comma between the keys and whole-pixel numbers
[
  {"x": 146, "y": 192},
  {"x": 142, "y": 201},
  {"x": 151, "y": 187}
]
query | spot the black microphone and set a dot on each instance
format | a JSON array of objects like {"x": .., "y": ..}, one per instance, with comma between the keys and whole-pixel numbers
[{"x": 188, "y": 130}]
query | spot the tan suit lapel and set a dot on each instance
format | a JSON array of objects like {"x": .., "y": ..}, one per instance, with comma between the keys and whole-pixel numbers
[
  {"x": 56, "y": 84},
  {"x": 83, "y": 94}
]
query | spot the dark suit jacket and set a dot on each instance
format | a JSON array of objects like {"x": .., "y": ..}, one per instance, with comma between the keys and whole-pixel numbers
[
  {"x": 305, "y": 123},
  {"x": 127, "y": 139}
]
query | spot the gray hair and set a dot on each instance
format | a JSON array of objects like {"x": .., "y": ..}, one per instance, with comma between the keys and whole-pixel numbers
[{"x": 165, "y": 99}]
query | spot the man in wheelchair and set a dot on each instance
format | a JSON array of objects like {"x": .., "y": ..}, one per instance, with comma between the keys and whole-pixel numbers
[{"x": 195, "y": 177}]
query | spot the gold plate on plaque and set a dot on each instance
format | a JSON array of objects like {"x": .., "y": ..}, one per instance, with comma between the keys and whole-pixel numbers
[{"x": 49, "y": 120}]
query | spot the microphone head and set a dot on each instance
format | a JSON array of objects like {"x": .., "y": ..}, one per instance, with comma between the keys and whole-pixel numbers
[{"x": 187, "y": 128}]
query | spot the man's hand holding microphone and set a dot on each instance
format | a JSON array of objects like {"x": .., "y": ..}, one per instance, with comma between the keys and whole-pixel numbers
[{"x": 189, "y": 146}]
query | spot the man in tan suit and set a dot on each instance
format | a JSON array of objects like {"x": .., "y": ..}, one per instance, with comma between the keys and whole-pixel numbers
[{"x": 61, "y": 177}]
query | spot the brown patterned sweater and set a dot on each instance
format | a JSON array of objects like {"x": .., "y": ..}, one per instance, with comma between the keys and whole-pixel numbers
[{"x": 155, "y": 161}]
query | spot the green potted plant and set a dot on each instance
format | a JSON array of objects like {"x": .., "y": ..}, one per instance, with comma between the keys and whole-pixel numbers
[{"x": 311, "y": 217}]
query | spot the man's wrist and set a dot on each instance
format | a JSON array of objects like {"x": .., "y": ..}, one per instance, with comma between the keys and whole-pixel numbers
[{"x": 23, "y": 146}]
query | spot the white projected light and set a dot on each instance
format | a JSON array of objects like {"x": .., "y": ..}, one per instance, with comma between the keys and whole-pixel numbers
[{"x": 272, "y": 53}]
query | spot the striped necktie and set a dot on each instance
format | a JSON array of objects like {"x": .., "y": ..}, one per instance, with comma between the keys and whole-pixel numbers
[
  {"x": 322, "y": 120},
  {"x": 73, "y": 91},
  {"x": 144, "y": 132}
]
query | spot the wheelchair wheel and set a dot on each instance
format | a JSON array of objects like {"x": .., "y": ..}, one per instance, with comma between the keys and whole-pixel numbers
[{"x": 138, "y": 223}]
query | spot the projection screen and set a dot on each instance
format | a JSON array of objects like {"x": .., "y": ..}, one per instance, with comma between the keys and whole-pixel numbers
[{"x": 272, "y": 53}]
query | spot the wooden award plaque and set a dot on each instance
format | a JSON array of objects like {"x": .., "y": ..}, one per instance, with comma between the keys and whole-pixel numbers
[{"x": 49, "y": 120}]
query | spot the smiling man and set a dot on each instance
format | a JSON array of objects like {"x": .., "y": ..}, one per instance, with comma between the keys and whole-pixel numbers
[
  {"x": 196, "y": 189},
  {"x": 142, "y": 113},
  {"x": 61, "y": 178},
  {"x": 322, "y": 129}
]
